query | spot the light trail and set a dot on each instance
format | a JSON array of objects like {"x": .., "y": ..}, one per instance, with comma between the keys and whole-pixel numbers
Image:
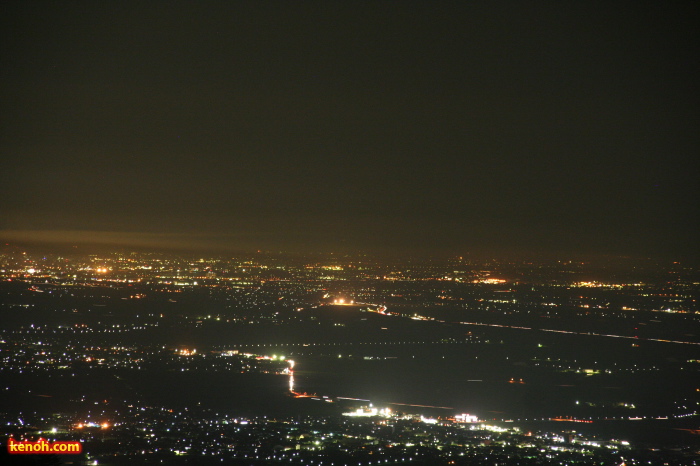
[
  {"x": 316, "y": 397},
  {"x": 421, "y": 406},
  {"x": 388, "y": 343},
  {"x": 382, "y": 310},
  {"x": 581, "y": 333}
]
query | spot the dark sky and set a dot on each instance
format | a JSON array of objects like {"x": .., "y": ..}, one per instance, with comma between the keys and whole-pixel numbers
[{"x": 381, "y": 126}]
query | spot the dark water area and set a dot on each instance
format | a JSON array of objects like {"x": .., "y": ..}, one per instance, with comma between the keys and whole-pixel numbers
[
  {"x": 482, "y": 387},
  {"x": 226, "y": 393},
  {"x": 245, "y": 395},
  {"x": 464, "y": 379},
  {"x": 497, "y": 374}
]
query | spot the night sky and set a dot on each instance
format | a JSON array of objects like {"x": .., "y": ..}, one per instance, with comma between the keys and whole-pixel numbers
[{"x": 557, "y": 127}]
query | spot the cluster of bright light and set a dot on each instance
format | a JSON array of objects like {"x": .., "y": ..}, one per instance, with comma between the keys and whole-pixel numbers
[
  {"x": 491, "y": 428},
  {"x": 81, "y": 425},
  {"x": 601, "y": 285},
  {"x": 342, "y": 301},
  {"x": 274, "y": 357},
  {"x": 369, "y": 412},
  {"x": 428, "y": 420},
  {"x": 102, "y": 270},
  {"x": 187, "y": 352},
  {"x": 490, "y": 281},
  {"x": 466, "y": 418}
]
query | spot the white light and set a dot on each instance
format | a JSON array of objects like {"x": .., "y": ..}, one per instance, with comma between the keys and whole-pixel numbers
[{"x": 466, "y": 418}]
